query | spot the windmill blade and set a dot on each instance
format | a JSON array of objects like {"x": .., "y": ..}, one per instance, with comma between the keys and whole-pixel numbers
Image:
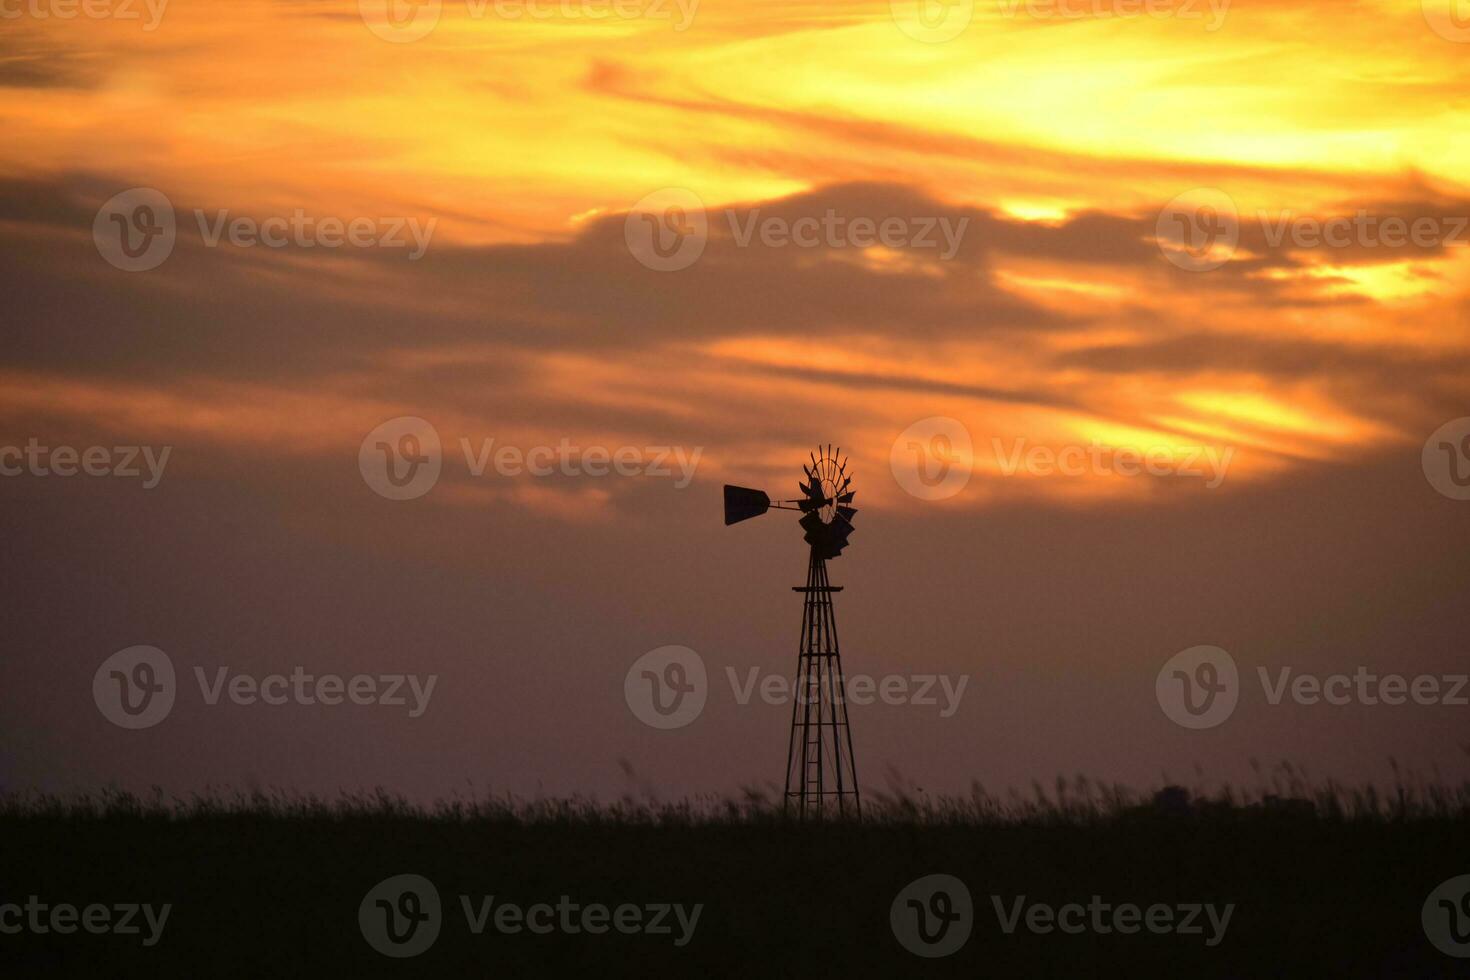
[
  {"x": 846, "y": 498},
  {"x": 846, "y": 514},
  {"x": 836, "y": 540}
]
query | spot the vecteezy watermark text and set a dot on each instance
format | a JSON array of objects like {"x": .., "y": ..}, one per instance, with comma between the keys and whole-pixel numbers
[
  {"x": 62, "y": 918},
  {"x": 933, "y": 916},
  {"x": 1200, "y": 230},
  {"x": 1200, "y": 687},
  {"x": 1103, "y": 918},
  {"x": 35, "y": 459},
  {"x": 924, "y": 690},
  {"x": 307, "y": 231},
  {"x": 937, "y": 21},
  {"x": 573, "y": 460},
  {"x": 933, "y": 459},
  {"x": 402, "y": 916},
  {"x": 835, "y": 231},
  {"x": 679, "y": 12},
  {"x": 669, "y": 229},
  {"x": 403, "y": 458},
  {"x": 136, "y": 687},
  {"x": 571, "y": 918},
  {"x": 1097, "y": 459},
  {"x": 1213, "y": 10},
  {"x": 301, "y": 687},
  {"x": 90, "y": 9},
  {"x": 1364, "y": 686},
  {"x": 405, "y": 21},
  {"x": 136, "y": 230},
  {"x": 668, "y": 687}
]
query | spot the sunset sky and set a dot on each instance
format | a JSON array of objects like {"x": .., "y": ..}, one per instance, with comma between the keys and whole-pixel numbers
[{"x": 1061, "y": 134}]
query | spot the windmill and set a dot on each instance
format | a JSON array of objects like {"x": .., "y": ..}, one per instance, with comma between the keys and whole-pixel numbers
[{"x": 820, "y": 773}]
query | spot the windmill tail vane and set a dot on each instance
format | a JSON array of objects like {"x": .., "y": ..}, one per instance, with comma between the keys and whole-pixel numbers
[{"x": 821, "y": 775}]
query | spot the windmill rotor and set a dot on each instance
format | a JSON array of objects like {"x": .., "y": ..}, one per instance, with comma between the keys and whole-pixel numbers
[{"x": 825, "y": 502}]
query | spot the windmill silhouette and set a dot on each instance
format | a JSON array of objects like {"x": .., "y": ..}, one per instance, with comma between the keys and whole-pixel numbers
[{"x": 821, "y": 774}]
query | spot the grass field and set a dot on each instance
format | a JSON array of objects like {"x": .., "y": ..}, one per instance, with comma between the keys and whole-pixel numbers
[{"x": 1321, "y": 882}]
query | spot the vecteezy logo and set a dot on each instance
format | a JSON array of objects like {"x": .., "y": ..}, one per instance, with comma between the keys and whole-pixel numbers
[
  {"x": 1199, "y": 687},
  {"x": 134, "y": 688},
  {"x": 135, "y": 230},
  {"x": 1446, "y": 459},
  {"x": 667, "y": 230},
  {"x": 1199, "y": 230},
  {"x": 932, "y": 458},
  {"x": 401, "y": 458},
  {"x": 400, "y": 916},
  {"x": 932, "y": 21},
  {"x": 666, "y": 688},
  {"x": 1446, "y": 917},
  {"x": 400, "y": 21},
  {"x": 1450, "y": 19},
  {"x": 932, "y": 916}
]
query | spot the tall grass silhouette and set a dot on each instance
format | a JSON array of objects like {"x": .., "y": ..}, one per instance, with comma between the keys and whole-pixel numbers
[{"x": 1326, "y": 879}]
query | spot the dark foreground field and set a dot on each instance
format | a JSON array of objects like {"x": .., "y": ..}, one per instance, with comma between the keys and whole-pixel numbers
[{"x": 1327, "y": 885}]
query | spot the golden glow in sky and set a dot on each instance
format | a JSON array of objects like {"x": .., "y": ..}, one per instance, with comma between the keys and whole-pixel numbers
[{"x": 1061, "y": 130}]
